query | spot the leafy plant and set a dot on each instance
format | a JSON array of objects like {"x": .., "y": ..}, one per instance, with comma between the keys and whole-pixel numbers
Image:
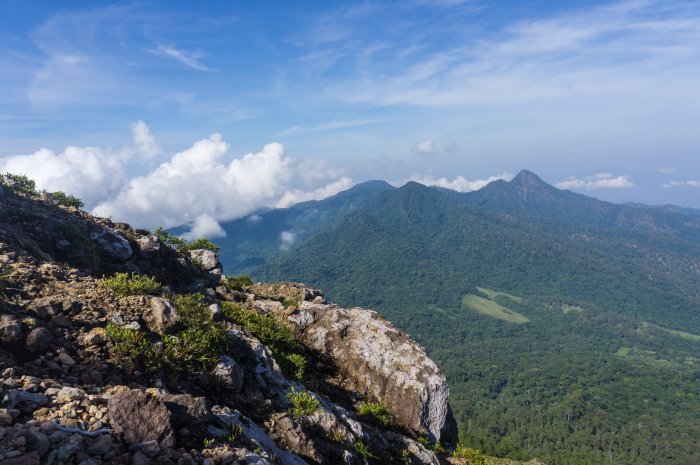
[
  {"x": 335, "y": 435},
  {"x": 195, "y": 349},
  {"x": 405, "y": 456},
  {"x": 473, "y": 456},
  {"x": 274, "y": 334},
  {"x": 234, "y": 431},
  {"x": 181, "y": 244},
  {"x": 291, "y": 302},
  {"x": 292, "y": 365},
  {"x": 362, "y": 450},
  {"x": 208, "y": 442},
  {"x": 19, "y": 184},
  {"x": 237, "y": 283},
  {"x": 200, "y": 244},
  {"x": 123, "y": 284},
  {"x": 374, "y": 412},
  {"x": 66, "y": 200},
  {"x": 303, "y": 403}
]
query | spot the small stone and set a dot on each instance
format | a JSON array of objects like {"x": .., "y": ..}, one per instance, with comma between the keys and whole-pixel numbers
[
  {"x": 65, "y": 359},
  {"x": 39, "y": 340},
  {"x": 215, "y": 312},
  {"x": 148, "y": 448},
  {"x": 162, "y": 317},
  {"x": 95, "y": 337},
  {"x": 5, "y": 418},
  {"x": 67, "y": 394},
  {"x": 31, "y": 458},
  {"x": 100, "y": 445},
  {"x": 140, "y": 458},
  {"x": 39, "y": 443},
  {"x": 10, "y": 329},
  {"x": 88, "y": 462}
]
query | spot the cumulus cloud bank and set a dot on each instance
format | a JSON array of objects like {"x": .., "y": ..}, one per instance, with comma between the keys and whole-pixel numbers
[
  {"x": 200, "y": 186},
  {"x": 597, "y": 181},
  {"x": 680, "y": 184},
  {"x": 459, "y": 184}
]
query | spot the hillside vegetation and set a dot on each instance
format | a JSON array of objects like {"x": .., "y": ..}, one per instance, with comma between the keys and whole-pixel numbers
[{"x": 556, "y": 284}]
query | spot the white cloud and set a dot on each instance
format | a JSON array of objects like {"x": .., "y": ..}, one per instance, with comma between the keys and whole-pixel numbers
[
  {"x": 254, "y": 219},
  {"x": 292, "y": 197},
  {"x": 459, "y": 184},
  {"x": 200, "y": 181},
  {"x": 666, "y": 170},
  {"x": 144, "y": 141},
  {"x": 426, "y": 147},
  {"x": 204, "y": 226},
  {"x": 672, "y": 184},
  {"x": 200, "y": 186},
  {"x": 597, "y": 181},
  {"x": 90, "y": 173},
  {"x": 287, "y": 238},
  {"x": 189, "y": 59}
]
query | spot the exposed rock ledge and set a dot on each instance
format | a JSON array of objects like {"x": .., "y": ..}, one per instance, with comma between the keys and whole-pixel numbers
[{"x": 376, "y": 359}]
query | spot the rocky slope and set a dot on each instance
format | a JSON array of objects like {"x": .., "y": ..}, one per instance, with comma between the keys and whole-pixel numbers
[{"x": 99, "y": 366}]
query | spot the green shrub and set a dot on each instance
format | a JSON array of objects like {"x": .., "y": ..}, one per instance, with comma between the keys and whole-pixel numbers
[
  {"x": 303, "y": 403},
  {"x": 237, "y": 283},
  {"x": 132, "y": 348},
  {"x": 335, "y": 435},
  {"x": 123, "y": 284},
  {"x": 278, "y": 337},
  {"x": 292, "y": 365},
  {"x": 200, "y": 244},
  {"x": 374, "y": 412},
  {"x": 473, "y": 456},
  {"x": 66, "y": 200},
  {"x": 199, "y": 345},
  {"x": 19, "y": 184},
  {"x": 405, "y": 457},
  {"x": 181, "y": 244},
  {"x": 195, "y": 349},
  {"x": 362, "y": 450},
  {"x": 168, "y": 238},
  {"x": 291, "y": 302}
]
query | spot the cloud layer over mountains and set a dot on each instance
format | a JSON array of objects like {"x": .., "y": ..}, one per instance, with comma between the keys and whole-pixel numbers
[{"x": 201, "y": 185}]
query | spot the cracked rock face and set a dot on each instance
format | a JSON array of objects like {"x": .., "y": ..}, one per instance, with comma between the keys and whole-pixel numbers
[{"x": 375, "y": 358}]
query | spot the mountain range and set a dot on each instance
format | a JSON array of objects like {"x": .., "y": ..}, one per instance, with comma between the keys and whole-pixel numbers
[{"x": 568, "y": 327}]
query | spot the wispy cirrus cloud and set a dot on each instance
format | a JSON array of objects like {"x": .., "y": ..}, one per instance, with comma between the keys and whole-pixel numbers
[
  {"x": 191, "y": 59},
  {"x": 597, "y": 181}
]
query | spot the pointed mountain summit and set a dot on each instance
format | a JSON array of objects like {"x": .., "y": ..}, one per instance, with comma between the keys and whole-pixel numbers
[{"x": 528, "y": 196}]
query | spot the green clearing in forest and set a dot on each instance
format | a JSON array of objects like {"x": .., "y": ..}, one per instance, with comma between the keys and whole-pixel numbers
[
  {"x": 492, "y": 309},
  {"x": 494, "y": 294}
]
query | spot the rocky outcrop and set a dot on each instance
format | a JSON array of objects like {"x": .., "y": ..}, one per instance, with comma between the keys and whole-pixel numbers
[
  {"x": 376, "y": 359},
  {"x": 90, "y": 376}
]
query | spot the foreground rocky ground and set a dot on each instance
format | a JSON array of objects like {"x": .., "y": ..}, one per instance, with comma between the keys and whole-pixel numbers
[{"x": 192, "y": 367}]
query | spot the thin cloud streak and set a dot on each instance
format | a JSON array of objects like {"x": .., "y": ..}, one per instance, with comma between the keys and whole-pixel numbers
[{"x": 189, "y": 59}]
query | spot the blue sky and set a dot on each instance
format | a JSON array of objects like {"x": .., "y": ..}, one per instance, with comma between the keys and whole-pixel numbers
[{"x": 126, "y": 99}]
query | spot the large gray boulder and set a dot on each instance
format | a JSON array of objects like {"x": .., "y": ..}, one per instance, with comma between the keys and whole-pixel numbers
[
  {"x": 375, "y": 358},
  {"x": 139, "y": 417}
]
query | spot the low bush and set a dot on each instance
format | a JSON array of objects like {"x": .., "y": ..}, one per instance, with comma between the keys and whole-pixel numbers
[
  {"x": 374, "y": 412},
  {"x": 237, "y": 283},
  {"x": 303, "y": 403},
  {"x": 473, "y": 456},
  {"x": 361, "y": 449},
  {"x": 66, "y": 200},
  {"x": 19, "y": 184},
  {"x": 278, "y": 337},
  {"x": 181, "y": 244},
  {"x": 195, "y": 349},
  {"x": 123, "y": 284}
]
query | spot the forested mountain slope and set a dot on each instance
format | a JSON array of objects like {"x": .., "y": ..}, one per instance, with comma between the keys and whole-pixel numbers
[{"x": 568, "y": 327}]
